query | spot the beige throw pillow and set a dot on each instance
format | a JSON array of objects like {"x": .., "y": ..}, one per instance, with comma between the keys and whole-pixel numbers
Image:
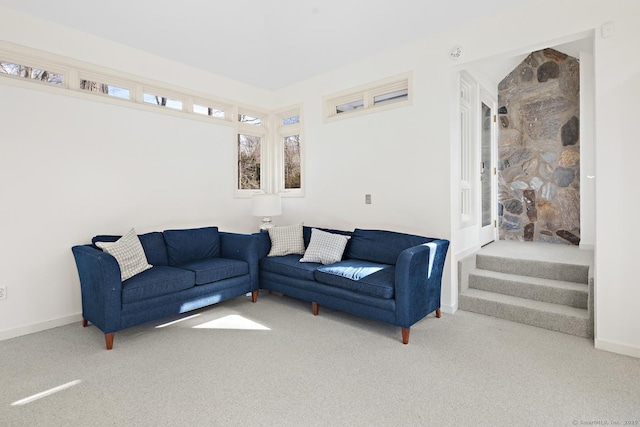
[
  {"x": 129, "y": 253},
  {"x": 286, "y": 240},
  {"x": 325, "y": 248}
]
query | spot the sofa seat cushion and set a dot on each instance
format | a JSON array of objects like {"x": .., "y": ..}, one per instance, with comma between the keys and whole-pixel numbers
[
  {"x": 156, "y": 281},
  {"x": 216, "y": 269},
  {"x": 290, "y": 266},
  {"x": 368, "y": 278}
]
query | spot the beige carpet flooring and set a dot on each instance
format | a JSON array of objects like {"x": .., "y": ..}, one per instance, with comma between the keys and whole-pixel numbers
[{"x": 285, "y": 367}]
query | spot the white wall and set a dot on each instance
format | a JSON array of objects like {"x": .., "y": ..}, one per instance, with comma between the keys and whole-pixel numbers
[
  {"x": 402, "y": 157},
  {"x": 617, "y": 75}
]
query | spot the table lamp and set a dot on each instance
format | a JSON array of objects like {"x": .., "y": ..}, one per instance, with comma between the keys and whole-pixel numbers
[{"x": 266, "y": 206}]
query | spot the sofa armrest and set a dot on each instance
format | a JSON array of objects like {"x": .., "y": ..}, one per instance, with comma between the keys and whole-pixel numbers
[
  {"x": 418, "y": 281},
  {"x": 264, "y": 243},
  {"x": 101, "y": 287},
  {"x": 241, "y": 247}
]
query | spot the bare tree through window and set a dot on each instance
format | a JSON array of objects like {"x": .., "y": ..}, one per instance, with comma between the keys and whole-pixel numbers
[
  {"x": 30, "y": 73},
  {"x": 292, "y": 162},
  {"x": 248, "y": 162}
]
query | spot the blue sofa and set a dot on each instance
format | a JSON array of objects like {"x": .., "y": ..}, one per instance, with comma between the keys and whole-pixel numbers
[
  {"x": 383, "y": 275},
  {"x": 192, "y": 268}
]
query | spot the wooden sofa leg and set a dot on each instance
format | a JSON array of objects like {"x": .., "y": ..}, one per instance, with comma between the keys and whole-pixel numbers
[
  {"x": 109, "y": 340},
  {"x": 438, "y": 313},
  {"x": 315, "y": 307},
  {"x": 85, "y": 322},
  {"x": 405, "y": 335},
  {"x": 254, "y": 296}
]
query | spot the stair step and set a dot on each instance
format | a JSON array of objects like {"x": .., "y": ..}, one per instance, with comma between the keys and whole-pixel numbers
[
  {"x": 546, "y": 290},
  {"x": 555, "y": 317},
  {"x": 576, "y": 273}
]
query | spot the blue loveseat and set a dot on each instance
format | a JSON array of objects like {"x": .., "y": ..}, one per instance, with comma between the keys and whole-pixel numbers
[
  {"x": 191, "y": 268},
  {"x": 383, "y": 275}
]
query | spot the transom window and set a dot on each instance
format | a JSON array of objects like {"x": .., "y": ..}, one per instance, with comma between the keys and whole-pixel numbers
[
  {"x": 105, "y": 88},
  {"x": 162, "y": 100},
  {"x": 389, "y": 93},
  {"x": 31, "y": 73}
]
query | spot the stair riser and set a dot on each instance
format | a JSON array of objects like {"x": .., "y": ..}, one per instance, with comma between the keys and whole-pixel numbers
[
  {"x": 572, "y": 298},
  {"x": 532, "y": 268},
  {"x": 552, "y": 321}
]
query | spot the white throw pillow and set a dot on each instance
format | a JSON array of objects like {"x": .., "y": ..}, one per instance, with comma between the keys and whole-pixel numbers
[
  {"x": 129, "y": 253},
  {"x": 286, "y": 240},
  {"x": 325, "y": 248}
]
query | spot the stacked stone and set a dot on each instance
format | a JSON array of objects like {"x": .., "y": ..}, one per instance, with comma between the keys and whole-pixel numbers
[{"x": 539, "y": 150}]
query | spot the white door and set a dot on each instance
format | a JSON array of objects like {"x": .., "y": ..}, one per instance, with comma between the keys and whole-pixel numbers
[{"x": 488, "y": 177}]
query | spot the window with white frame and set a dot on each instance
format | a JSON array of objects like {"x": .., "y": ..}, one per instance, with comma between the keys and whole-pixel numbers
[
  {"x": 104, "y": 85},
  {"x": 289, "y": 150},
  {"x": 162, "y": 99},
  {"x": 212, "y": 109},
  {"x": 384, "y": 94},
  {"x": 31, "y": 72},
  {"x": 250, "y": 151},
  {"x": 269, "y": 152}
]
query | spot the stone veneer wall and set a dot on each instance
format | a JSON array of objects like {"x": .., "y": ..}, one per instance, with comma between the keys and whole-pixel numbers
[{"x": 539, "y": 150}]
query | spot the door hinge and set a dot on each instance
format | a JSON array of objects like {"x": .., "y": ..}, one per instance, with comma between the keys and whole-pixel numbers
[
  {"x": 495, "y": 119},
  {"x": 495, "y": 223},
  {"x": 494, "y": 171}
]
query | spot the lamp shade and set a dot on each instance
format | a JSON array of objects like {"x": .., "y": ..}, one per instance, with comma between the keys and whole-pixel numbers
[{"x": 266, "y": 205}]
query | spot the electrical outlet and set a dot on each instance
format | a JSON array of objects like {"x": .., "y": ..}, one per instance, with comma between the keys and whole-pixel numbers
[
  {"x": 367, "y": 199},
  {"x": 3, "y": 292}
]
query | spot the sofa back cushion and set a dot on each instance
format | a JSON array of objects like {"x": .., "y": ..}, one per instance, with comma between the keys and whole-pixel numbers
[
  {"x": 152, "y": 243},
  {"x": 192, "y": 244},
  {"x": 380, "y": 245},
  {"x": 306, "y": 233}
]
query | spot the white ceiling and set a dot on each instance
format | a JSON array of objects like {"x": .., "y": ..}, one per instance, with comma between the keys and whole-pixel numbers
[{"x": 266, "y": 43}]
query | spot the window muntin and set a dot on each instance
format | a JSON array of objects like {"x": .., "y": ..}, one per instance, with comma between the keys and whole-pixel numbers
[
  {"x": 249, "y": 166},
  {"x": 31, "y": 73}
]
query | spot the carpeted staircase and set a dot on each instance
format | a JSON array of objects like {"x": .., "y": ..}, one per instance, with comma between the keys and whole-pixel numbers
[{"x": 537, "y": 284}]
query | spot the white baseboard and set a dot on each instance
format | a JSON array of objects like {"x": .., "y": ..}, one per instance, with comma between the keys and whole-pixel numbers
[
  {"x": 450, "y": 309},
  {"x": 616, "y": 347},
  {"x": 465, "y": 253},
  {"x": 41, "y": 326}
]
